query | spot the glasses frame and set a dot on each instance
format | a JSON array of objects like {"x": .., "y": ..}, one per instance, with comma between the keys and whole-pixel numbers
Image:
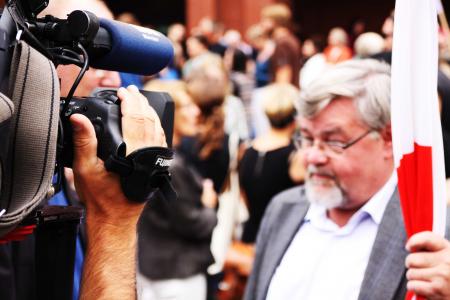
[{"x": 333, "y": 147}]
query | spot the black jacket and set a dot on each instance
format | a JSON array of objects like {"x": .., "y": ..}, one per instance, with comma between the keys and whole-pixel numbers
[{"x": 174, "y": 237}]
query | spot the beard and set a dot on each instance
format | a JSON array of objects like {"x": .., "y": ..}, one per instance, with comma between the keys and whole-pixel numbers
[{"x": 324, "y": 191}]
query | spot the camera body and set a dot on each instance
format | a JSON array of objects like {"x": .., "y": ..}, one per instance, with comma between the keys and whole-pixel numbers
[{"x": 103, "y": 110}]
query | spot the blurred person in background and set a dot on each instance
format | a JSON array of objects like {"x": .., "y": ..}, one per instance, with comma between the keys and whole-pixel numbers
[
  {"x": 213, "y": 31},
  {"x": 337, "y": 49},
  {"x": 368, "y": 44},
  {"x": 242, "y": 83},
  {"x": 444, "y": 101},
  {"x": 265, "y": 168},
  {"x": 356, "y": 28},
  {"x": 263, "y": 49},
  {"x": 233, "y": 108},
  {"x": 314, "y": 61},
  {"x": 174, "y": 237},
  {"x": 128, "y": 17},
  {"x": 208, "y": 85},
  {"x": 198, "y": 51},
  {"x": 268, "y": 166},
  {"x": 444, "y": 52},
  {"x": 312, "y": 46},
  {"x": 387, "y": 29},
  {"x": 176, "y": 33},
  {"x": 285, "y": 61}
]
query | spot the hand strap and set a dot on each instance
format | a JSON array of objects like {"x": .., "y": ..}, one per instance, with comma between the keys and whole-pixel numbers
[{"x": 143, "y": 172}]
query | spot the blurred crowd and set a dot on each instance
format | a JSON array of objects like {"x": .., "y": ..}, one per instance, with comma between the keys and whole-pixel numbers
[
  {"x": 228, "y": 87},
  {"x": 235, "y": 135}
]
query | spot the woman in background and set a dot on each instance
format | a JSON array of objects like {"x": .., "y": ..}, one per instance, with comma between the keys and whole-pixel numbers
[
  {"x": 174, "y": 237},
  {"x": 208, "y": 84},
  {"x": 267, "y": 167}
]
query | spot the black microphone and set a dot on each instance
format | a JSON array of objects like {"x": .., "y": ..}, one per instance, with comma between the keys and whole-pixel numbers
[{"x": 131, "y": 49}]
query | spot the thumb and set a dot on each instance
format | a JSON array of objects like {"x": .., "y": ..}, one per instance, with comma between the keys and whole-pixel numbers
[{"x": 84, "y": 141}]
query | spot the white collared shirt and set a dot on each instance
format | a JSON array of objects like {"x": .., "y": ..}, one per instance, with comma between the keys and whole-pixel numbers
[{"x": 325, "y": 261}]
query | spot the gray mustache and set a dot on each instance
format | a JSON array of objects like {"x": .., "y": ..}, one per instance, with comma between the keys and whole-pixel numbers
[{"x": 312, "y": 169}]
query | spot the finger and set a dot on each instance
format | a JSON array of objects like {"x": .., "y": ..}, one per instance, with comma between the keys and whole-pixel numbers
[
  {"x": 84, "y": 141},
  {"x": 135, "y": 92},
  {"x": 422, "y": 274},
  {"x": 426, "y": 241},
  {"x": 427, "y": 289},
  {"x": 127, "y": 102},
  {"x": 422, "y": 260}
]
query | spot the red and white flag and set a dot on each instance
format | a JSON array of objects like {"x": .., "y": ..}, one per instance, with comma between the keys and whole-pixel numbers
[{"x": 416, "y": 129}]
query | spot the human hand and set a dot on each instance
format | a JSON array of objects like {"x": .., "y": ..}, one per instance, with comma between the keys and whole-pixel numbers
[
  {"x": 141, "y": 126},
  {"x": 99, "y": 189},
  {"x": 428, "y": 265},
  {"x": 209, "y": 195}
]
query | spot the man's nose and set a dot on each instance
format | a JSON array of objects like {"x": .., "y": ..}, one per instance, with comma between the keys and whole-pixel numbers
[
  {"x": 108, "y": 78},
  {"x": 315, "y": 156}
]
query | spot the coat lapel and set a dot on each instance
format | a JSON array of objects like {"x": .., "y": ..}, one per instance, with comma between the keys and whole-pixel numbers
[
  {"x": 291, "y": 217},
  {"x": 386, "y": 268}
]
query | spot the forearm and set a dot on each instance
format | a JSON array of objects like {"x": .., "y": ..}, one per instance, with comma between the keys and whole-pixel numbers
[{"x": 110, "y": 265}]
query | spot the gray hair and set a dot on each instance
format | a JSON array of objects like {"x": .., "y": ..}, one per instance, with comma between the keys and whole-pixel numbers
[{"x": 366, "y": 81}]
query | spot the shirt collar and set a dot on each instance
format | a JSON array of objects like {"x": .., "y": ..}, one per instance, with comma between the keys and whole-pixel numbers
[{"x": 375, "y": 207}]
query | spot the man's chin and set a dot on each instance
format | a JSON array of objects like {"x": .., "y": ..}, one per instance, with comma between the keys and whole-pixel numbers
[{"x": 325, "y": 196}]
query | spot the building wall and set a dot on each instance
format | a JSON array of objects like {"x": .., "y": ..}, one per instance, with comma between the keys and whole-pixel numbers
[
  {"x": 237, "y": 14},
  {"x": 310, "y": 16}
]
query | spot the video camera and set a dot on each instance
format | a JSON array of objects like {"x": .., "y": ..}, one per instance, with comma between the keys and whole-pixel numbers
[
  {"x": 36, "y": 136},
  {"x": 83, "y": 40}
]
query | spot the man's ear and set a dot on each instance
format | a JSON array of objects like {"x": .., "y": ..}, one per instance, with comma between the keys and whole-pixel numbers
[{"x": 386, "y": 136}]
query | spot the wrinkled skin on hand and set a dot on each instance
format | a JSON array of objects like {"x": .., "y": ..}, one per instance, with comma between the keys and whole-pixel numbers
[
  {"x": 428, "y": 266},
  {"x": 111, "y": 219}
]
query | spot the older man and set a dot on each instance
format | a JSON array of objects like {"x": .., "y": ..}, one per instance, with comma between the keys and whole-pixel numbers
[{"x": 341, "y": 236}]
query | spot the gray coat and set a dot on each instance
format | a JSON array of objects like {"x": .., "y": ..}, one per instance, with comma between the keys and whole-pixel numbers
[{"x": 384, "y": 277}]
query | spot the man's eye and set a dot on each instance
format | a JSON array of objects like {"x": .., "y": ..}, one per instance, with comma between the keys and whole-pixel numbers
[{"x": 335, "y": 144}]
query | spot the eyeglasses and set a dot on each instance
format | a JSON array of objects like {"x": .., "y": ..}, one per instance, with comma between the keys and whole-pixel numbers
[{"x": 334, "y": 147}]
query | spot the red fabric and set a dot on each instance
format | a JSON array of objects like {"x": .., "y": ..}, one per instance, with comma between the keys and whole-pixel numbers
[
  {"x": 18, "y": 234},
  {"x": 415, "y": 184}
]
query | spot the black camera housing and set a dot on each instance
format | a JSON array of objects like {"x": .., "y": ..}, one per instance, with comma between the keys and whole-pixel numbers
[{"x": 103, "y": 110}]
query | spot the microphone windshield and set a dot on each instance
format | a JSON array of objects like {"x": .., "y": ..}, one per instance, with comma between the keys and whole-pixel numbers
[{"x": 134, "y": 49}]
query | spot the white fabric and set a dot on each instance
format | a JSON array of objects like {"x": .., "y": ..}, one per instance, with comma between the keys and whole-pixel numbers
[
  {"x": 191, "y": 288},
  {"x": 415, "y": 112},
  {"x": 235, "y": 117},
  {"x": 325, "y": 261},
  {"x": 231, "y": 212}
]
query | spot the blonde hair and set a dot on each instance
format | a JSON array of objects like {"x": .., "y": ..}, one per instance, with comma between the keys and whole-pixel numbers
[
  {"x": 279, "y": 104},
  {"x": 280, "y": 13}
]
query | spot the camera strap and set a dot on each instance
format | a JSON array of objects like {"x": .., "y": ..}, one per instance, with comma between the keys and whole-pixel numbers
[
  {"x": 29, "y": 160},
  {"x": 143, "y": 172}
]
